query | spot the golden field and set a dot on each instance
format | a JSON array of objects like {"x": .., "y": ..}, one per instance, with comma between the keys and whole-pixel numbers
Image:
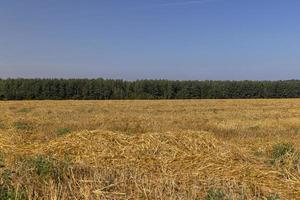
[{"x": 160, "y": 149}]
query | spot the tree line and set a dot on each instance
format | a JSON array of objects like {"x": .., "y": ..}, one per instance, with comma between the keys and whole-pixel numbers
[{"x": 40, "y": 89}]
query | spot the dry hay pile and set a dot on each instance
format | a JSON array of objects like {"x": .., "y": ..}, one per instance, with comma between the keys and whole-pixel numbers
[{"x": 171, "y": 165}]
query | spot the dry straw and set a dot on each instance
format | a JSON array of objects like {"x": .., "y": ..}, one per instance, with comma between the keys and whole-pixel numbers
[{"x": 158, "y": 159}]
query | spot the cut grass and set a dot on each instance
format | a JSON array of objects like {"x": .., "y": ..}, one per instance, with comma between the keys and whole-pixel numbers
[{"x": 151, "y": 149}]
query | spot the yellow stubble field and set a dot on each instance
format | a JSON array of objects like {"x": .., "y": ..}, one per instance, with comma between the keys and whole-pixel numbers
[{"x": 142, "y": 149}]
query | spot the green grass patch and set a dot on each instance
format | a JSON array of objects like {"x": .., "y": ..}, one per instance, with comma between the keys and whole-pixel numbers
[
  {"x": 21, "y": 125},
  {"x": 280, "y": 151},
  {"x": 63, "y": 131},
  {"x": 42, "y": 165},
  {"x": 2, "y": 160},
  {"x": 295, "y": 130},
  {"x": 12, "y": 107},
  {"x": 48, "y": 167},
  {"x": 7, "y": 175},
  {"x": 10, "y": 193},
  {"x": 273, "y": 197},
  {"x": 215, "y": 194},
  {"x": 24, "y": 110},
  {"x": 2, "y": 125},
  {"x": 258, "y": 152},
  {"x": 286, "y": 157}
]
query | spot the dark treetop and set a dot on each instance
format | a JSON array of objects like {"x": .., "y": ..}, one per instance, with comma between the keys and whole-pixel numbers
[{"x": 31, "y": 89}]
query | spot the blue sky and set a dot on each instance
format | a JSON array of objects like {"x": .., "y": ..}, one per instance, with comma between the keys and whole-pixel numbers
[{"x": 136, "y": 39}]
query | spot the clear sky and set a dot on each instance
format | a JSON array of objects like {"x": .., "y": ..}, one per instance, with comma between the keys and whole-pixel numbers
[{"x": 137, "y": 39}]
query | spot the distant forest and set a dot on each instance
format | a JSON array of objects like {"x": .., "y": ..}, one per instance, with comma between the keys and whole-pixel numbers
[{"x": 39, "y": 89}]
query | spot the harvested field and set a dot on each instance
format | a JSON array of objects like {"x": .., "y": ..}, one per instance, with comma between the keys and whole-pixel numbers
[{"x": 181, "y": 149}]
